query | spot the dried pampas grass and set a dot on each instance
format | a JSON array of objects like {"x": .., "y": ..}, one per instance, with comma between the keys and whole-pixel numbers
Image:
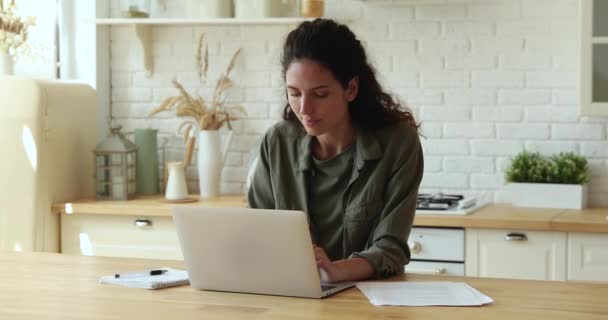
[{"x": 209, "y": 115}]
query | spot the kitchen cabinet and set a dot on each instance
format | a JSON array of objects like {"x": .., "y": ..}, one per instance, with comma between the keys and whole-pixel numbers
[
  {"x": 594, "y": 58},
  {"x": 558, "y": 245},
  {"x": 587, "y": 256},
  {"x": 517, "y": 254},
  {"x": 120, "y": 236}
]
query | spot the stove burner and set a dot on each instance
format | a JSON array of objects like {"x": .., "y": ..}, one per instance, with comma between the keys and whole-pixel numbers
[{"x": 438, "y": 201}]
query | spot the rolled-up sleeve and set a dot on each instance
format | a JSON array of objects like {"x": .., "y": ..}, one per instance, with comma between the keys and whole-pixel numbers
[
  {"x": 388, "y": 251},
  {"x": 260, "y": 192}
]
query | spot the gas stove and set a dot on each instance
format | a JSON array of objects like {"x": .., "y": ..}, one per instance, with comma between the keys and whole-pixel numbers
[{"x": 440, "y": 203}]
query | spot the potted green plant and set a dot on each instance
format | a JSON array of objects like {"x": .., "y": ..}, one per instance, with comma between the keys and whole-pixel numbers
[{"x": 559, "y": 181}]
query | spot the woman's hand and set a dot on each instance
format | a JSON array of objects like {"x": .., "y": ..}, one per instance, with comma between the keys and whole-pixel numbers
[
  {"x": 353, "y": 269},
  {"x": 328, "y": 271}
]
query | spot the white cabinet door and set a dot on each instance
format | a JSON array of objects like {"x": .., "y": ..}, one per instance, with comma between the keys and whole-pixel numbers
[
  {"x": 120, "y": 236},
  {"x": 516, "y": 254},
  {"x": 588, "y": 256}
]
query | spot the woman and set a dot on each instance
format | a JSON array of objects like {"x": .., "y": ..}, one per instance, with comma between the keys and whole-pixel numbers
[{"x": 346, "y": 154}]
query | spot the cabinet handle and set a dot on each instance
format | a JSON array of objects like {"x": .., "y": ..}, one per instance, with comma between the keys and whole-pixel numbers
[
  {"x": 143, "y": 223},
  {"x": 516, "y": 237}
]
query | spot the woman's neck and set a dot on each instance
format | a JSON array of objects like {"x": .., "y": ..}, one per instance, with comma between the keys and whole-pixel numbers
[{"x": 330, "y": 144}]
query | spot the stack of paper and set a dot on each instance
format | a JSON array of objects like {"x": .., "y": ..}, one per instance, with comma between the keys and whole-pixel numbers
[
  {"x": 422, "y": 294},
  {"x": 171, "y": 278}
]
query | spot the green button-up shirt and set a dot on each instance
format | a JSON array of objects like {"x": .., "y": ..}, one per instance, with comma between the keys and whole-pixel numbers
[{"x": 379, "y": 202}]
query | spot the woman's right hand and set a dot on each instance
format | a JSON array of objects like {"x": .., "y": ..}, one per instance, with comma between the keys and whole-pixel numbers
[{"x": 328, "y": 271}]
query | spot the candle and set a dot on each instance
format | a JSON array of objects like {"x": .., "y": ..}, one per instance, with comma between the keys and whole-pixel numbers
[{"x": 118, "y": 188}]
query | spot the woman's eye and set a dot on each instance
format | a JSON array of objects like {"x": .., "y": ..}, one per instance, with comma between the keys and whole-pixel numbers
[
  {"x": 294, "y": 94},
  {"x": 321, "y": 95}
]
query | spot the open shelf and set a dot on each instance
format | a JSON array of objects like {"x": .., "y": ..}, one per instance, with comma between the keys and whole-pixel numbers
[
  {"x": 144, "y": 28},
  {"x": 211, "y": 21}
]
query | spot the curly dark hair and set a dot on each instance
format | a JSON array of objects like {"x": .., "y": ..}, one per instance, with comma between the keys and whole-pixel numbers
[{"x": 336, "y": 47}]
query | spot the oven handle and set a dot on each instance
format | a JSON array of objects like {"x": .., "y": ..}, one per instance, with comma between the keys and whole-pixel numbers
[{"x": 439, "y": 270}]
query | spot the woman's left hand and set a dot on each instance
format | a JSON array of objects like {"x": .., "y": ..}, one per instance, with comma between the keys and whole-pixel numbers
[{"x": 328, "y": 271}]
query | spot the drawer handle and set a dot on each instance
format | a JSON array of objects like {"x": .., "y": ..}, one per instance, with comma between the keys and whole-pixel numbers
[
  {"x": 142, "y": 223},
  {"x": 516, "y": 237},
  {"x": 415, "y": 247}
]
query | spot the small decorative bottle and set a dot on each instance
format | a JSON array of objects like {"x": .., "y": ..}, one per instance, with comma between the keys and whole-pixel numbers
[{"x": 312, "y": 8}]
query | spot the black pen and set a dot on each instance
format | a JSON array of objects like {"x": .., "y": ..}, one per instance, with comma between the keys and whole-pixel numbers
[{"x": 140, "y": 274}]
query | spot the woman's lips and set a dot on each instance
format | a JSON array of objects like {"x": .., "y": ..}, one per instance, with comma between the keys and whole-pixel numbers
[{"x": 310, "y": 122}]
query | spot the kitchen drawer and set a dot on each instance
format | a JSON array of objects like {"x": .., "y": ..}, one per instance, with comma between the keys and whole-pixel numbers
[
  {"x": 437, "y": 244},
  {"x": 428, "y": 267},
  {"x": 516, "y": 254},
  {"x": 120, "y": 236},
  {"x": 588, "y": 257}
]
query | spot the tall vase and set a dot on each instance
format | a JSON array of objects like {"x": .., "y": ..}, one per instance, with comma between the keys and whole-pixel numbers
[
  {"x": 6, "y": 63},
  {"x": 211, "y": 158},
  {"x": 147, "y": 161}
]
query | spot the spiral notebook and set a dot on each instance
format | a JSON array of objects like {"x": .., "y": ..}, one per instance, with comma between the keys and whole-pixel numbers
[{"x": 171, "y": 278}]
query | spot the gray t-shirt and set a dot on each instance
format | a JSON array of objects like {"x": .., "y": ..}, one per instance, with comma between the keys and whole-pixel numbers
[{"x": 327, "y": 183}]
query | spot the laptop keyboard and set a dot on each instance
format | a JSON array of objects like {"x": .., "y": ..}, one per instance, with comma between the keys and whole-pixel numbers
[{"x": 325, "y": 288}]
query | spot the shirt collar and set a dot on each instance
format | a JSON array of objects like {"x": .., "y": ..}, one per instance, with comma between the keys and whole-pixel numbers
[{"x": 368, "y": 148}]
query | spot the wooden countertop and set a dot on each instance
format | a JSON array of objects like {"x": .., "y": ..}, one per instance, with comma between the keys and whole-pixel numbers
[
  {"x": 57, "y": 286},
  {"x": 494, "y": 216},
  {"x": 588, "y": 220}
]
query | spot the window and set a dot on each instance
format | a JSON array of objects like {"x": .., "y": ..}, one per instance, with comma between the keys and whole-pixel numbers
[{"x": 42, "y": 61}]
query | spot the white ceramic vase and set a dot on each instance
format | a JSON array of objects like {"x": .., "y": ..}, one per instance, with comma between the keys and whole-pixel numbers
[
  {"x": 177, "y": 189},
  {"x": 211, "y": 158},
  {"x": 6, "y": 63}
]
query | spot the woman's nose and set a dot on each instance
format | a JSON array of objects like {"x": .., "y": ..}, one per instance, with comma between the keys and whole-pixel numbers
[{"x": 305, "y": 105}]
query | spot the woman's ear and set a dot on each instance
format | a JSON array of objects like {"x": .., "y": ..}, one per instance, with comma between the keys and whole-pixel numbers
[{"x": 353, "y": 89}]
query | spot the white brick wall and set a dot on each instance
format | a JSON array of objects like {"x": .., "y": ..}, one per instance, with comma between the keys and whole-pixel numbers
[{"x": 486, "y": 78}]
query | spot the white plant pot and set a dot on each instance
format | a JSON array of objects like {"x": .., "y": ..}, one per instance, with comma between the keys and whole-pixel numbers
[
  {"x": 6, "y": 63},
  {"x": 211, "y": 158},
  {"x": 548, "y": 195}
]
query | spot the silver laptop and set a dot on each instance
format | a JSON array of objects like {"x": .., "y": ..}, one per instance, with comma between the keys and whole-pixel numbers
[{"x": 250, "y": 251}]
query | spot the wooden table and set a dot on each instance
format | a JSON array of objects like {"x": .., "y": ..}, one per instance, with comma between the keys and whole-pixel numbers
[{"x": 55, "y": 286}]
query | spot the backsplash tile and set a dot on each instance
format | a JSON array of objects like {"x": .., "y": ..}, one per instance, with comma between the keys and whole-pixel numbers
[{"x": 486, "y": 78}]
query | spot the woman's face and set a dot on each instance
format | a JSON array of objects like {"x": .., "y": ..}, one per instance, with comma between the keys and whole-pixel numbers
[{"x": 317, "y": 98}]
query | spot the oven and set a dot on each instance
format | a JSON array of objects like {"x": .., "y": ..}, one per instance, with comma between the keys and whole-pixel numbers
[{"x": 437, "y": 250}]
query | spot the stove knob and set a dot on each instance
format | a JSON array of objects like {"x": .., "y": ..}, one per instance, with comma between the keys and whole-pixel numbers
[
  {"x": 415, "y": 247},
  {"x": 440, "y": 271}
]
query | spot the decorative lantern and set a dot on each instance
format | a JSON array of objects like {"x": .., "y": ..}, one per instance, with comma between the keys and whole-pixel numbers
[{"x": 115, "y": 165}]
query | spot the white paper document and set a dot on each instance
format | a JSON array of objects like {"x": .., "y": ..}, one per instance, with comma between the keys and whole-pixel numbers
[{"x": 422, "y": 294}]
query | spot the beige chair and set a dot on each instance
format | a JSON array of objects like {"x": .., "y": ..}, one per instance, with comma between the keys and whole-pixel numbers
[{"x": 48, "y": 133}]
